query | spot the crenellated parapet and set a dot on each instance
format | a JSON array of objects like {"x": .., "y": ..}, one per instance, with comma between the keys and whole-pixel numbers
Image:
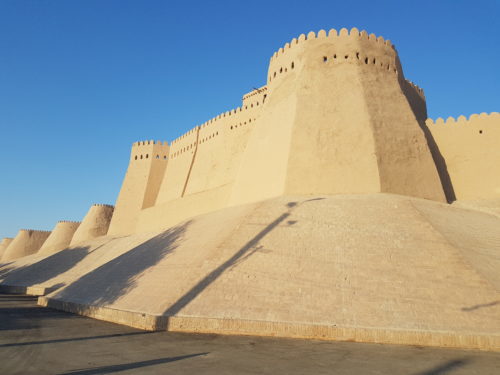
[
  {"x": 94, "y": 224},
  {"x": 60, "y": 237},
  {"x": 490, "y": 118},
  {"x": 416, "y": 88},
  {"x": 333, "y": 48},
  {"x": 26, "y": 242},
  {"x": 146, "y": 150},
  {"x": 467, "y": 154}
]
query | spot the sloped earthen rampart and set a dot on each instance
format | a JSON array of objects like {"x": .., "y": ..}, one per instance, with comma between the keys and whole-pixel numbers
[
  {"x": 26, "y": 242},
  {"x": 60, "y": 237},
  {"x": 95, "y": 223}
]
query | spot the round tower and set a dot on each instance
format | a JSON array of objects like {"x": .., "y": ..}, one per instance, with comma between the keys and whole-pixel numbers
[
  {"x": 26, "y": 242},
  {"x": 94, "y": 224},
  {"x": 3, "y": 245},
  {"x": 60, "y": 237},
  {"x": 339, "y": 118}
]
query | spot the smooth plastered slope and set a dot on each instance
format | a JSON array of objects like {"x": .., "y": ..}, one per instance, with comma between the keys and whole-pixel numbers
[{"x": 375, "y": 268}]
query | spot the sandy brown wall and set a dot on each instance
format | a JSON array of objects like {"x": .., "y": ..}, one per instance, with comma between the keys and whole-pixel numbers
[
  {"x": 4, "y": 244},
  {"x": 95, "y": 223},
  {"x": 26, "y": 242},
  {"x": 470, "y": 155},
  {"x": 337, "y": 120},
  {"x": 203, "y": 165},
  {"x": 60, "y": 237},
  {"x": 140, "y": 187}
]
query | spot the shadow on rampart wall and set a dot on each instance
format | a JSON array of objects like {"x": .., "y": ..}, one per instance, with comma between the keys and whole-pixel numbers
[
  {"x": 45, "y": 269},
  {"x": 115, "y": 278},
  {"x": 241, "y": 255},
  {"x": 419, "y": 109}
]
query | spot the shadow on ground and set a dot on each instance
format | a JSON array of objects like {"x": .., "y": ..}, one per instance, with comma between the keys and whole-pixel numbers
[
  {"x": 446, "y": 368},
  {"x": 130, "y": 366}
]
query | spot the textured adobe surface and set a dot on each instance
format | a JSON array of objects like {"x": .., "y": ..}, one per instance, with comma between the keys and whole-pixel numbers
[
  {"x": 94, "y": 224},
  {"x": 26, "y": 242},
  {"x": 330, "y": 267},
  {"x": 60, "y": 237},
  {"x": 3, "y": 245}
]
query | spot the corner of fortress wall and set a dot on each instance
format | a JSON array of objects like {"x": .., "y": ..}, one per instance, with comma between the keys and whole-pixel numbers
[
  {"x": 467, "y": 154},
  {"x": 60, "y": 237},
  {"x": 148, "y": 162},
  {"x": 94, "y": 224},
  {"x": 26, "y": 242}
]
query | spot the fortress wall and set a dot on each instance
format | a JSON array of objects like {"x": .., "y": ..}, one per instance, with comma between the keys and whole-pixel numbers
[
  {"x": 182, "y": 152},
  {"x": 336, "y": 98},
  {"x": 26, "y": 242},
  {"x": 220, "y": 147},
  {"x": 470, "y": 153},
  {"x": 4, "y": 244},
  {"x": 60, "y": 237},
  {"x": 200, "y": 174},
  {"x": 255, "y": 97},
  {"x": 148, "y": 162},
  {"x": 332, "y": 122},
  {"x": 94, "y": 224},
  {"x": 416, "y": 98}
]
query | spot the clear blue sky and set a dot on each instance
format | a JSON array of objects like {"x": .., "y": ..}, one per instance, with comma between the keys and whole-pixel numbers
[{"x": 81, "y": 80}]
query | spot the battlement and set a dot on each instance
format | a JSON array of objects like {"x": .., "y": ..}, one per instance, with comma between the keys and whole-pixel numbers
[
  {"x": 467, "y": 154},
  {"x": 103, "y": 205},
  {"x": 332, "y": 34},
  {"x": 144, "y": 150},
  {"x": 344, "y": 46},
  {"x": 34, "y": 230},
  {"x": 241, "y": 115},
  {"x": 418, "y": 89},
  {"x": 257, "y": 91},
  {"x": 149, "y": 143},
  {"x": 69, "y": 221},
  {"x": 463, "y": 119}
]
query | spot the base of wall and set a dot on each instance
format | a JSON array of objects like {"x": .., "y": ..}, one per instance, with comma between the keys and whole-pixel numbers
[
  {"x": 278, "y": 329},
  {"x": 28, "y": 290}
]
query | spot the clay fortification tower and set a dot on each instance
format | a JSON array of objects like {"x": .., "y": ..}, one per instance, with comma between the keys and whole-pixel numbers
[
  {"x": 26, "y": 242},
  {"x": 337, "y": 116},
  {"x": 60, "y": 237},
  {"x": 338, "y": 119},
  {"x": 4, "y": 244},
  {"x": 94, "y": 224},
  {"x": 148, "y": 161}
]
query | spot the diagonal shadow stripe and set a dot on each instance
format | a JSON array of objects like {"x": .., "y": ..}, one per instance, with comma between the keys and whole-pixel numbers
[
  {"x": 55, "y": 341},
  {"x": 130, "y": 366},
  {"x": 247, "y": 250}
]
